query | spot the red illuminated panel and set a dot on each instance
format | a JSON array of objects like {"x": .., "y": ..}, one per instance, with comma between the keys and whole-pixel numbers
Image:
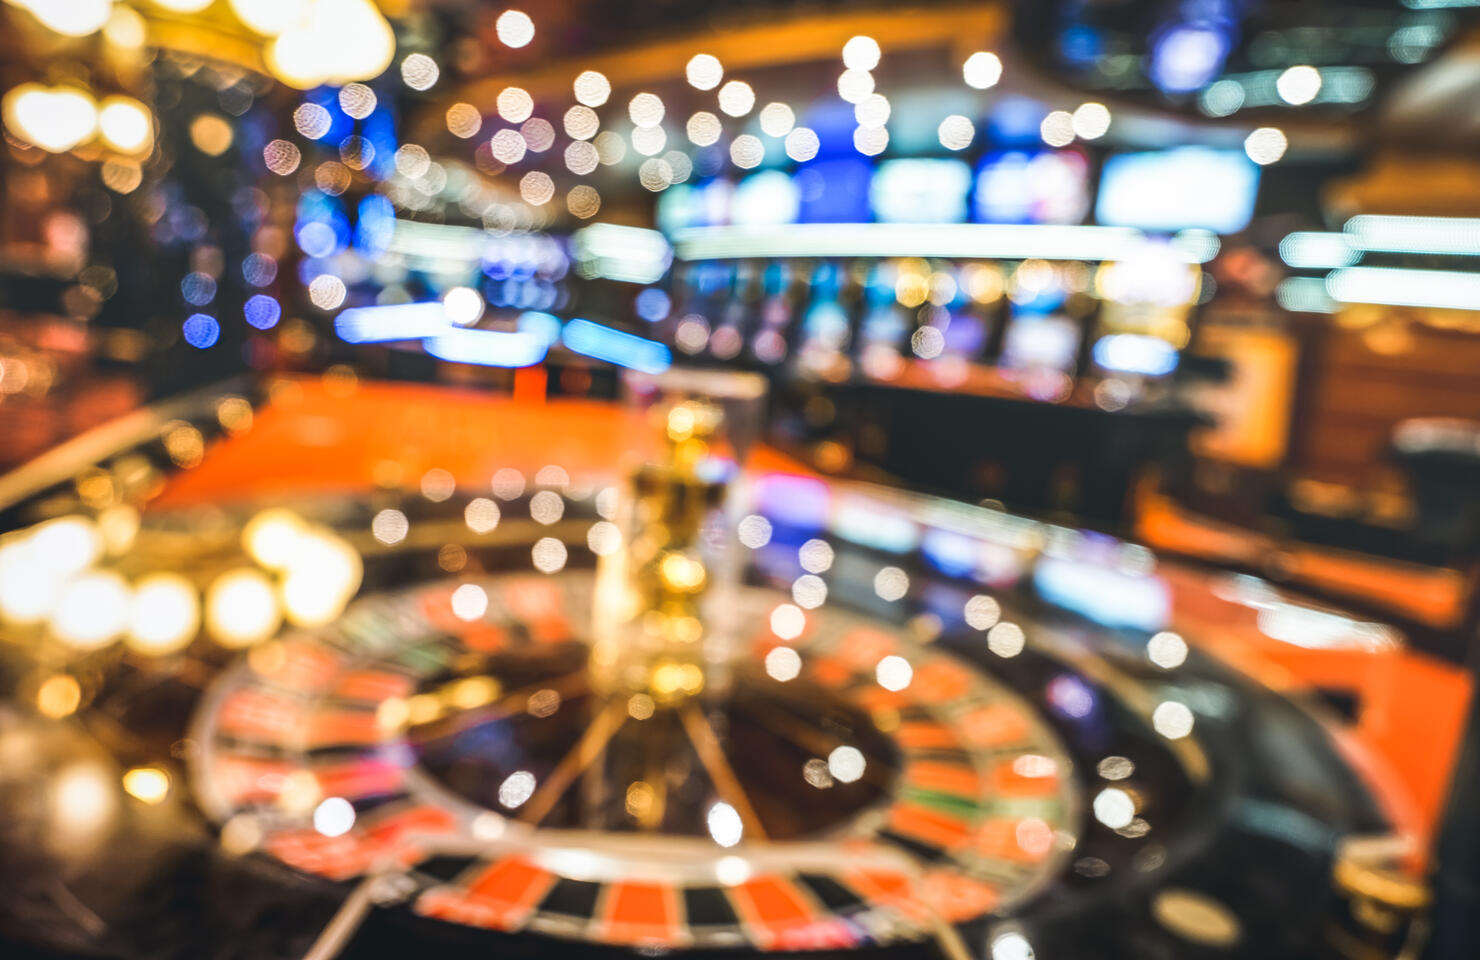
[
  {"x": 511, "y": 888},
  {"x": 373, "y": 685},
  {"x": 771, "y": 903},
  {"x": 994, "y": 726},
  {"x": 953, "y": 778},
  {"x": 329, "y": 728},
  {"x": 956, "y": 897},
  {"x": 928, "y": 826},
  {"x": 940, "y": 681},
  {"x": 645, "y": 913},
  {"x": 1007, "y": 781},
  {"x": 248, "y": 780},
  {"x": 360, "y": 778},
  {"x": 305, "y": 667},
  {"x": 255, "y": 715},
  {"x": 1003, "y": 839},
  {"x": 864, "y": 648},
  {"x": 926, "y": 736}
]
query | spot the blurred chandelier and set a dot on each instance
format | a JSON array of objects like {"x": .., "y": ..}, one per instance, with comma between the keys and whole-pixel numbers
[{"x": 303, "y": 43}]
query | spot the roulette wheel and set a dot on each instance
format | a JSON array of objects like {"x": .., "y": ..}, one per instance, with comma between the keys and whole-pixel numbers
[{"x": 686, "y": 707}]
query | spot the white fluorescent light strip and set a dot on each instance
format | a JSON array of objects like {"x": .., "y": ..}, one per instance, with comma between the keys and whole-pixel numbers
[
  {"x": 402, "y": 321},
  {"x": 1304, "y": 295},
  {"x": 1452, "y": 236},
  {"x": 437, "y": 241},
  {"x": 631, "y": 254},
  {"x": 1440, "y": 289},
  {"x": 1313, "y": 250},
  {"x": 988, "y": 241},
  {"x": 488, "y": 348}
]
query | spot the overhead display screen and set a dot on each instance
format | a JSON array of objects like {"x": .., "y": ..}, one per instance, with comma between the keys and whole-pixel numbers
[{"x": 1169, "y": 190}]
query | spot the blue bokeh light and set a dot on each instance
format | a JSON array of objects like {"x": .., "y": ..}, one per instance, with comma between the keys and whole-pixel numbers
[
  {"x": 201, "y": 331},
  {"x": 262, "y": 311}
]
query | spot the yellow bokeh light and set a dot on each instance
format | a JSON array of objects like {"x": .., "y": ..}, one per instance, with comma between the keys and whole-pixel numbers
[
  {"x": 58, "y": 696},
  {"x": 125, "y": 125},
  {"x": 242, "y": 608},
  {"x": 271, "y": 537},
  {"x": 147, "y": 784},
  {"x": 268, "y": 17},
  {"x": 72, "y": 18},
  {"x": 334, "y": 42},
  {"x": 164, "y": 615},
  {"x": 211, "y": 134},
  {"x": 92, "y": 610},
  {"x": 56, "y": 119}
]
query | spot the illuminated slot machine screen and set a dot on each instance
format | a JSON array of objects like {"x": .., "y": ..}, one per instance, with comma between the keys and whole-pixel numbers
[{"x": 1184, "y": 199}]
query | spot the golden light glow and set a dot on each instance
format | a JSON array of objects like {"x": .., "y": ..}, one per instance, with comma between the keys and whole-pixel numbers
[
  {"x": 164, "y": 616},
  {"x": 321, "y": 577},
  {"x": 92, "y": 611},
  {"x": 125, "y": 125},
  {"x": 681, "y": 573},
  {"x": 271, "y": 537},
  {"x": 84, "y": 798},
  {"x": 333, "y": 42},
  {"x": 268, "y": 17},
  {"x": 464, "y": 120},
  {"x": 242, "y": 608},
  {"x": 211, "y": 134},
  {"x": 640, "y": 797},
  {"x": 71, "y": 18},
  {"x": 56, "y": 119},
  {"x": 125, "y": 29},
  {"x": 58, "y": 696},
  {"x": 147, "y": 784}
]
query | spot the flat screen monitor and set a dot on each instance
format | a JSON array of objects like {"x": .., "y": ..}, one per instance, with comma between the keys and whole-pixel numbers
[
  {"x": 1184, "y": 188},
  {"x": 920, "y": 191},
  {"x": 1031, "y": 186}
]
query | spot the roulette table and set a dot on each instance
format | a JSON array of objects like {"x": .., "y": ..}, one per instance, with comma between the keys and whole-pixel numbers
[{"x": 845, "y": 720}]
